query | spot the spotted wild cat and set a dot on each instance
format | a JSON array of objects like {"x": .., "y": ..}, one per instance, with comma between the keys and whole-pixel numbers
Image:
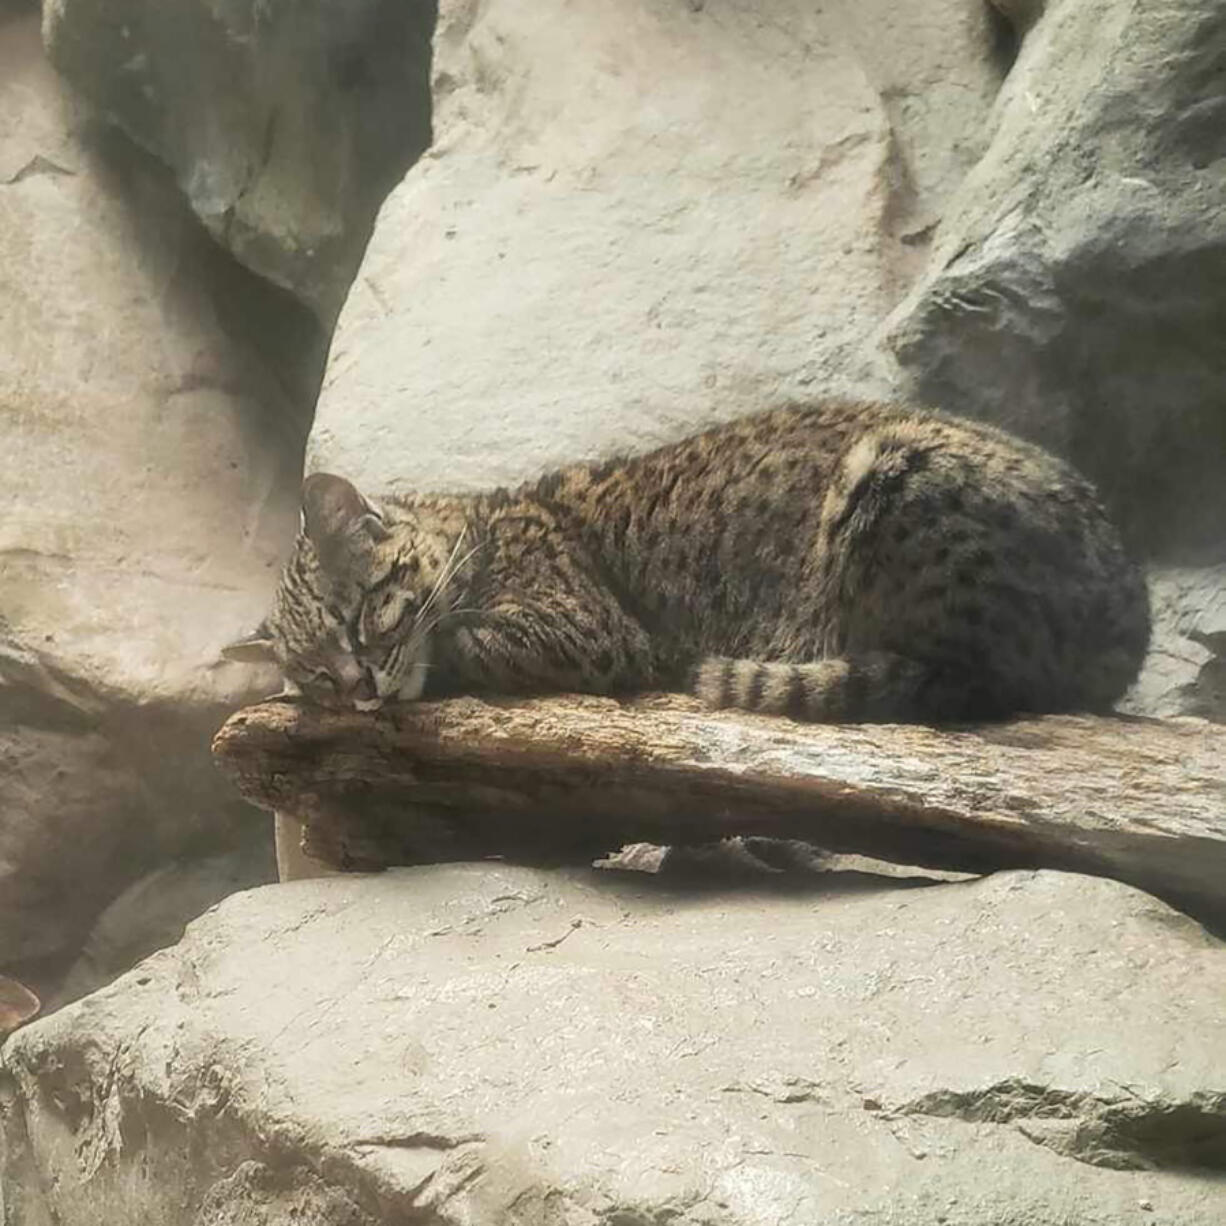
[{"x": 839, "y": 562}]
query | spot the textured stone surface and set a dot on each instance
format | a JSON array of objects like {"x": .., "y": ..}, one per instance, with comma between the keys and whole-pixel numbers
[
  {"x": 1074, "y": 290},
  {"x": 1185, "y": 673},
  {"x": 153, "y": 912},
  {"x": 149, "y": 475},
  {"x": 285, "y": 123},
  {"x": 631, "y": 223},
  {"x": 484, "y": 1044},
  {"x": 152, "y": 406}
]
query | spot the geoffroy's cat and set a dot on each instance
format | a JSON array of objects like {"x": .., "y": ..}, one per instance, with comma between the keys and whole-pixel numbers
[{"x": 837, "y": 562}]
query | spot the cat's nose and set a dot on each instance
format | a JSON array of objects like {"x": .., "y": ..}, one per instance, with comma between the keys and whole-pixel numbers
[{"x": 365, "y": 690}]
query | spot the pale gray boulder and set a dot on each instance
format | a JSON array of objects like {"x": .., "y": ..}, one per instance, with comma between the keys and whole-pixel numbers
[
  {"x": 636, "y": 220},
  {"x": 486, "y": 1044},
  {"x": 1185, "y": 672}
]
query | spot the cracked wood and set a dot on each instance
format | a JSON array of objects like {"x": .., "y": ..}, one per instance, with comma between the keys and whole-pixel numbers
[{"x": 568, "y": 778}]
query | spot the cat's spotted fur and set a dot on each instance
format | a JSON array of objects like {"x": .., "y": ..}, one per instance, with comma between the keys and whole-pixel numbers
[{"x": 844, "y": 561}]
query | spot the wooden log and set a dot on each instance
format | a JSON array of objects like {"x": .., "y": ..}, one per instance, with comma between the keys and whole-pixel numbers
[{"x": 572, "y": 777}]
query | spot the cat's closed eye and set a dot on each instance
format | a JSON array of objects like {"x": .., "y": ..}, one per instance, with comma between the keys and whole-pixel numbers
[{"x": 386, "y": 618}]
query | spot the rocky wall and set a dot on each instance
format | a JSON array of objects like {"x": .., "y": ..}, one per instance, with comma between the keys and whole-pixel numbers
[{"x": 628, "y": 222}]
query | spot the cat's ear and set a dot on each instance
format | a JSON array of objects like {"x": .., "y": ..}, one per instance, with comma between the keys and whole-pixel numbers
[
  {"x": 255, "y": 648},
  {"x": 335, "y": 514}
]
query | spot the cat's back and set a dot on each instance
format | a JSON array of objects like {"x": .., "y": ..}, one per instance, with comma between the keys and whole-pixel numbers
[
  {"x": 741, "y": 474},
  {"x": 752, "y": 494},
  {"x": 708, "y": 529}
]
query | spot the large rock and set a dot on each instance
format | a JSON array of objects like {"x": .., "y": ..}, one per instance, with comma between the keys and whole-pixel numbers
[
  {"x": 484, "y": 1044},
  {"x": 285, "y": 123},
  {"x": 633, "y": 222},
  {"x": 153, "y": 402},
  {"x": 1074, "y": 291},
  {"x": 152, "y": 913}
]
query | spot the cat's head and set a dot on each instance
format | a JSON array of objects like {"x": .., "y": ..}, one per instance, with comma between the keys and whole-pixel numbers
[{"x": 352, "y": 619}]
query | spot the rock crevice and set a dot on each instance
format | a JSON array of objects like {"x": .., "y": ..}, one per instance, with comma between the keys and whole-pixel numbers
[{"x": 1125, "y": 1130}]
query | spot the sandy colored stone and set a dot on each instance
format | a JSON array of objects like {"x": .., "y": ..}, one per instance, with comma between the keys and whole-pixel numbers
[
  {"x": 633, "y": 222},
  {"x": 153, "y": 399},
  {"x": 487, "y": 1044},
  {"x": 149, "y": 477}
]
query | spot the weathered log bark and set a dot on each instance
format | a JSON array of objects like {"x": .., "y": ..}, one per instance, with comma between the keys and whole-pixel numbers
[{"x": 575, "y": 777}]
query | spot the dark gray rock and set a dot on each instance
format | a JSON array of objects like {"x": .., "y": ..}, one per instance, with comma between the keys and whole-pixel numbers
[
  {"x": 285, "y": 123},
  {"x": 1075, "y": 290}
]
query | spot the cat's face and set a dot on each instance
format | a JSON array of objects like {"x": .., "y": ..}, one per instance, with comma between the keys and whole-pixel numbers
[{"x": 352, "y": 621}]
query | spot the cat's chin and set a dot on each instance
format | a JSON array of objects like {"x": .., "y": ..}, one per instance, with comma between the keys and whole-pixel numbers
[{"x": 367, "y": 704}]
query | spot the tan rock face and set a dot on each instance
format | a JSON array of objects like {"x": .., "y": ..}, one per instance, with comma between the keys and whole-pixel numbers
[
  {"x": 152, "y": 432},
  {"x": 487, "y": 1044},
  {"x": 149, "y": 468},
  {"x": 628, "y": 225}
]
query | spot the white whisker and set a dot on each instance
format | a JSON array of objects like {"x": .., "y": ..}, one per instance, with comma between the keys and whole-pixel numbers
[
  {"x": 449, "y": 570},
  {"x": 443, "y": 576}
]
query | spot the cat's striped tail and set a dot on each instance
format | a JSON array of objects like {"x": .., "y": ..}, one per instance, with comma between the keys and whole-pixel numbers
[{"x": 872, "y": 687}]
